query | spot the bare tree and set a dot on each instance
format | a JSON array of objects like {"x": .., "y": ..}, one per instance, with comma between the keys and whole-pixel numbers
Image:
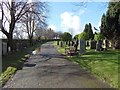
[
  {"x": 49, "y": 33},
  {"x": 34, "y": 19},
  {"x": 12, "y": 11}
]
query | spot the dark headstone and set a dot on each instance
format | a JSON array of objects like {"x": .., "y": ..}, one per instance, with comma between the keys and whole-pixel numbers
[
  {"x": 61, "y": 44},
  {"x": 93, "y": 44},
  {"x": 66, "y": 42},
  {"x": 57, "y": 42},
  {"x": 69, "y": 43},
  {"x": 99, "y": 46},
  {"x": 73, "y": 43}
]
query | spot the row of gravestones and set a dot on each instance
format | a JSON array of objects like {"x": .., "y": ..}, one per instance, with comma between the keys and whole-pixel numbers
[
  {"x": 98, "y": 44},
  {"x": 92, "y": 44}
]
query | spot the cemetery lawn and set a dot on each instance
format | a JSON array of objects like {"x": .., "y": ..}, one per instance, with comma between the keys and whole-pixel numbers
[{"x": 103, "y": 65}]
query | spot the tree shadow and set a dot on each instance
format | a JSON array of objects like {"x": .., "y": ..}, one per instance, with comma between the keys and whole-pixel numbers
[{"x": 29, "y": 65}]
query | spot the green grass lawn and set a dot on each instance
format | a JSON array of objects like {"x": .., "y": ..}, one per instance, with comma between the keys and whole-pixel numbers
[{"x": 103, "y": 65}]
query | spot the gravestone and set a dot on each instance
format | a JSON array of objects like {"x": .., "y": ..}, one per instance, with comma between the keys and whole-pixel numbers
[
  {"x": 82, "y": 46},
  {"x": 4, "y": 48},
  {"x": 73, "y": 43},
  {"x": 99, "y": 46},
  {"x": 93, "y": 44},
  {"x": 106, "y": 44},
  {"x": 61, "y": 44},
  {"x": 68, "y": 43},
  {"x": 57, "y": 42}
]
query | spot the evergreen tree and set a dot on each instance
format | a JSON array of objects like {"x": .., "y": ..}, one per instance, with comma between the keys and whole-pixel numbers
[
  {"x": 110, "y": 24},
  {"x": 88, "y": 31}
]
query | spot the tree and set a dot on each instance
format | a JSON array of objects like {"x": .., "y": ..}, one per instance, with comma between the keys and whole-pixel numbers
[
  {"x": 89, "y": 32},
  {"x": 66, "y": 36},
  {"x": 110, "y": 24},
  {"x": 49, "y": 34},
  {"x": 15, "y": 10},
  {"x": 83, "y": 36},
  {"x": 98, "y": 36},
  {"x": 76, "y": 37},
  {"x": 34, "y": 19}
]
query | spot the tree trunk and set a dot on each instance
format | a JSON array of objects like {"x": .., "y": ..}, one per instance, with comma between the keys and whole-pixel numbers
[
  {"x": 10, "y": 41},
  {"x": 30, "y": 41}
]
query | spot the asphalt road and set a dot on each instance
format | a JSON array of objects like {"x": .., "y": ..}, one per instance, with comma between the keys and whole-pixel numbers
[{"x": 49, "y": 69}]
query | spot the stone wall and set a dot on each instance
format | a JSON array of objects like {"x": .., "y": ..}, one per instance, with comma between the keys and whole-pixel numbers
[{"x": 17, "y": 45}]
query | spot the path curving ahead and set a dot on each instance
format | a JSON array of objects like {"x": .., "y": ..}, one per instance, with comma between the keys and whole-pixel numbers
[{"x": 49, "y": 69}]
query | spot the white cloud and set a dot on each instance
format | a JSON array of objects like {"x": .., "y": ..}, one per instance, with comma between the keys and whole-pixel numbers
[
  {"x": 52, "y": 27},
  {"x": 71, "y": 23}
]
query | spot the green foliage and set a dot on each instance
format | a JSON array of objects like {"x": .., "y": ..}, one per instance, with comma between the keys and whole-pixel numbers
[
  {"x": 66, "y": 36},
  {"x": 88, "y": 30},
  {"x": 110, "y": 23},
  {"x": 7, "y": 74},
  {"x": 98, "y": 37},
  {"x": 83, "y": 36},
  {"x": 76, "y": 36}
]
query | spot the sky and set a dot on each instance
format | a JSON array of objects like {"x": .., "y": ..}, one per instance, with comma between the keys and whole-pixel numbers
[{"x": 72, "y": 17}]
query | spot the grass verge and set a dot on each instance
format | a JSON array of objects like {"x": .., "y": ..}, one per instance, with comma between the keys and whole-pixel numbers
[
  {"x": 13, "y": 62},
  {"x": 103, "y": 65}
]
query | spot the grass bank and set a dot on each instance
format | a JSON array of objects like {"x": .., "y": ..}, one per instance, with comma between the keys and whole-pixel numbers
[
  {"x": 13, "y": 62},
  {"x": 103, "y": 65}
]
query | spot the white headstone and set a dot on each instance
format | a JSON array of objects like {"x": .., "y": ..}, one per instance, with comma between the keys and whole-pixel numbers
[{"x": 82, "y": 46}]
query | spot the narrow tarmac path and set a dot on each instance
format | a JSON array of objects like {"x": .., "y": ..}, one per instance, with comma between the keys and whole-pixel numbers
[{"x": 49, "y": 69}]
